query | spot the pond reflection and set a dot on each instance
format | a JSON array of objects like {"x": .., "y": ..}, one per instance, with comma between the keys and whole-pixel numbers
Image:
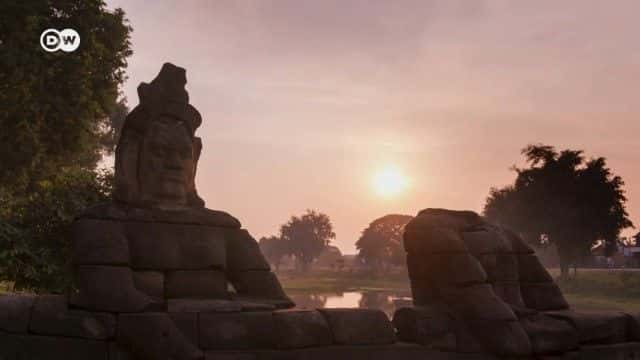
[{"x": 384, "y": 300}]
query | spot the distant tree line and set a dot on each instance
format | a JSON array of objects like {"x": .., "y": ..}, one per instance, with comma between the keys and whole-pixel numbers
[{"x": 304, "y": 237}]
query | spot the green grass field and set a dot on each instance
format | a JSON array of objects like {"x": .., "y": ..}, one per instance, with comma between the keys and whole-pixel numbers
[{"x": 595, "y": 289}]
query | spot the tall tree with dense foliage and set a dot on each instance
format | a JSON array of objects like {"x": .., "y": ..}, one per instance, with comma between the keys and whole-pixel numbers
[
  {"x": 55, "y": 107},
  {"x": 571, "y": 200},
  {"x": 380, "y": 244},
  {"x": 307, "y": 235},
  {"x": 59, "y": 114}
]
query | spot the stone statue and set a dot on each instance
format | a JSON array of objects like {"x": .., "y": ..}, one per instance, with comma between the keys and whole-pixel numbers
[
  {"x": 156, "y": 247},
  {"x": 161, "y": 277},
  {"x": 478, "y": 287}
]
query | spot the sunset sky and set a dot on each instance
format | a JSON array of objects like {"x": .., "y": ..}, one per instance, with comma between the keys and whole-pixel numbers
[{"x": 313, "y": 104}]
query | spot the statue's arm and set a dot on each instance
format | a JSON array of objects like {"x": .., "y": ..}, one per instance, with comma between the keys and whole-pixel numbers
[
  {"x": 101, "y": 268},
  {"x": 250, "y": 273}
]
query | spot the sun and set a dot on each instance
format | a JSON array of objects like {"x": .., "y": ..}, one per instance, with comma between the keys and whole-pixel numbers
[{"x": 389, "y": 182}]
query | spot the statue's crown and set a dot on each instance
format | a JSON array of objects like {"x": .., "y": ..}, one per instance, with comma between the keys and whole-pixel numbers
[{"x": 165, "y": 95}]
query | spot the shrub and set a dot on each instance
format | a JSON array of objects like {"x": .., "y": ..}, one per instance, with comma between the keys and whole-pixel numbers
[{"x": 35, "y": 241}]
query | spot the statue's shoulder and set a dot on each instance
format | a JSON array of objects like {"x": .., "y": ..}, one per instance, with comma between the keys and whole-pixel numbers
[
  {"x": 197, "y": 216},
  {"x": 211, "y": 217}
]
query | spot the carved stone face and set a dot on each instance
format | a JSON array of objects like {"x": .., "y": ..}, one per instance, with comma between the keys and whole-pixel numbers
[{"x": 167, "y": 164}]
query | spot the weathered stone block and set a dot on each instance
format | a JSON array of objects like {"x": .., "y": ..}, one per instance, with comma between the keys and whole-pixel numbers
[
  {"x": 500, "y": 266},
  {"x": 239, "y": 355},
  {"x": 465, "y": 341},
  {"x": 623, "y": 351},
  {"x": 569, "y": 355},
  {"x": 476, "y": 302},
  {"x": 35, "y": 347},
  {"x": 633, "y": 330},
  {"x": 504, "y": 338},
  {"x": 161, "y": 246},
  {"x": 109, "y": 288},
  {"x": 243, "y": 252},
  {"x": 359, "y": 326},
  {"x": 454, "y": 269},
  {"x": 154, "y": 336},
  {"x": 127, "y": 213},
  {"x": 117, "y": 352},
  {"x": 532, "y": 270},
  {"x": 249, "y": 303},
  {"x": 601, "y": 327},
  {"x": 51, "y": 316},
  {"x": 300, "y": 329},
  {"x": 419, "y": 238},
  {"x": 15, "y": 311},
  {"x": 429, "y": 326},
  {"x": 203, "y": 305},
  {"x": 456, "y": 219},
  {"x": 396, "y": 351},
  {"x": 486, "y": 242},
  {"x": 259, "y": 284},
  {"x": 518, "y": 244},
  {"x": 543, "y": 296},
  {"x": 509, "y": 292},
  {"x": 196, "y": 284},
  {"x": 187, "y": 323},
  {"x": 549, "y": 335},
  {"x": 99, "y": 242},
  {"x": 423, "y": 292},
  {"x": 244, "y": 330},
  {"x": 150, "y": 283}
]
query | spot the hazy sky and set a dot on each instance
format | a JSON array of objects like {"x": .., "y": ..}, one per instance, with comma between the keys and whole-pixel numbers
[{"x": 304, "y": 101}]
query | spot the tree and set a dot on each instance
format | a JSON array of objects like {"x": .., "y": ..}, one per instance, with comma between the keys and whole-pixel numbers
[
  {"x": 307, "y": 236},
  {"x": 381, "y": 242},
  {"x": 55, "y": 107},
  {"x": 564, "y": 197},
  {"x": 274, "y": 249},
  {"x": 59, "y": 113},
  {"x": 111, "y": 133},
  {"x": 35, "y": 246}
]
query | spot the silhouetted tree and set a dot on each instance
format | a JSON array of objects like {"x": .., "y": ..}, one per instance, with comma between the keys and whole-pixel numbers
[
  {"x": 636, "y": 239},
  {"x": 381, "y": 242},
  {"x": 561, "y": 195},
  {"x": 55, "y": 107},
  {"x": 59, "y": 114},
  {"x": 307, "y": 236},
  {"x": 110, "y": 134},
  {"x": 274, "y": 249}
]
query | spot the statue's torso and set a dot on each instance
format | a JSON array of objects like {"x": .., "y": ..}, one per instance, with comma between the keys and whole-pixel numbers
[{"x": 166, "y": 257}]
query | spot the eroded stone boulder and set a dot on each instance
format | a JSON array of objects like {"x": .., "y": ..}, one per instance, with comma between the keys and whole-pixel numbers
[{"x": 359, "y": 326}]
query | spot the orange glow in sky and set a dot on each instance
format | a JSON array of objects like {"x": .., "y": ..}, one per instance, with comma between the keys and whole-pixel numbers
[
  {"x": 389, "y": 181},
  {"x": 360, "y": 109}
]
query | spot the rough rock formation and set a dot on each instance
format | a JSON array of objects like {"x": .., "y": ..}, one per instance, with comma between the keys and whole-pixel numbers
[{"x": 478, "y": 287}]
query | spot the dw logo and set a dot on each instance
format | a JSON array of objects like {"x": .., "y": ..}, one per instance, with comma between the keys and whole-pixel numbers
[{"x": 66, "y": 40}]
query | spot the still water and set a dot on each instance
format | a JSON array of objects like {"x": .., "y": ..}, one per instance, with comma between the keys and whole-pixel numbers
[{"x": 383, "y": 300}]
